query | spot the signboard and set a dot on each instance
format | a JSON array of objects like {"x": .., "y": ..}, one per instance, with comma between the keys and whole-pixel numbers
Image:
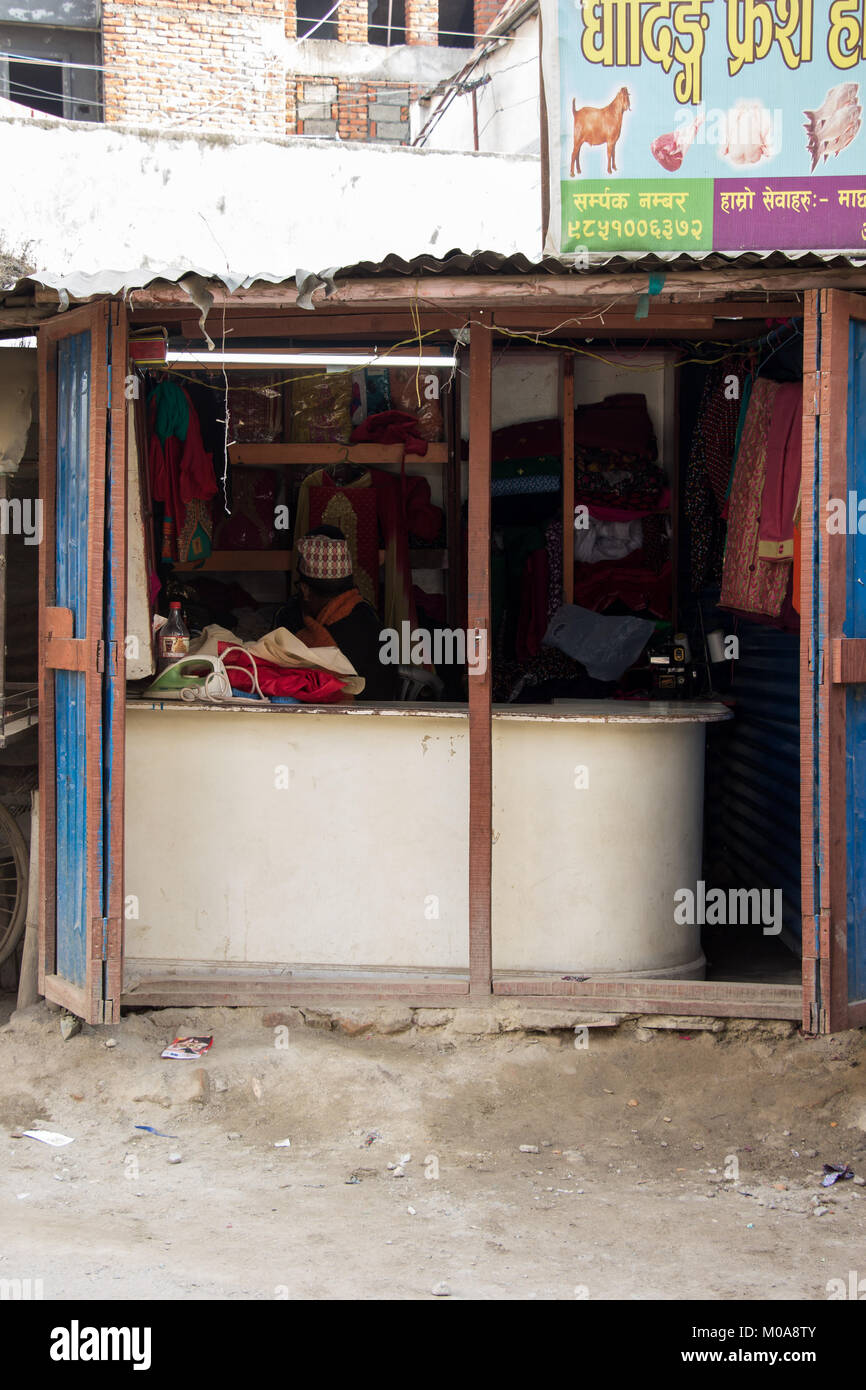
[{"x": 693, "y": 125}]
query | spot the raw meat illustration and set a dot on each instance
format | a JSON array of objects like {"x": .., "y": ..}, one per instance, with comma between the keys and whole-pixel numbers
[
  {"x": 836, "y": 122},
  {"x": 670, "y": 149},
  {"x": 747, "y": 134}
]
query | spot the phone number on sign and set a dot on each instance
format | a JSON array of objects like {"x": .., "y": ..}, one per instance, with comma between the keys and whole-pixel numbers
[{"x": 664, "y": 230}]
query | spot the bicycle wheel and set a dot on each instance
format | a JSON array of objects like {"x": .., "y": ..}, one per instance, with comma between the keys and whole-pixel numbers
[{"x": 14, "y": 864}]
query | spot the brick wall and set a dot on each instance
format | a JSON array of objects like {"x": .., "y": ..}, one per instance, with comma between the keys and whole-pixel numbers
[
  {"x": 485, "y": 13},
  {"x": 422, "y": 21},
  {"x": 351, "y": 21},
  {"x": 209, "y": 63},
  {"x": 218, "y": 64},
  {"x": 354, "y": 110}
]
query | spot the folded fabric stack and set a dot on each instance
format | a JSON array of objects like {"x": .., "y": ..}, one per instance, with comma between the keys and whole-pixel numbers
[{"x": 280, "y": 665}]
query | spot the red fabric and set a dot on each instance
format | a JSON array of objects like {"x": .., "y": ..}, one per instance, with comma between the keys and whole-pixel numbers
[
  {"x": 619, "y": 422},
  {"x": 529, "y": 440},
  {"x": 629, "y": 580},
  {"x": 532, "y": 616},
  {"x": 310, "y": 686},
  {"x": 390, "y": 427}
]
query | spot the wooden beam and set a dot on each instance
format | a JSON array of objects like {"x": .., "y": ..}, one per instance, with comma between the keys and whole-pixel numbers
[
  {"x": 480, "y": 684},
  {"x": 25, "y": 317},
  {"x": 568, "y": 479},
  {"x": 303, "y": 455},
  {"x": 461, "y": 293},
  {"x": 367, "y": 328},
  {"x": 229, "y": 561}
]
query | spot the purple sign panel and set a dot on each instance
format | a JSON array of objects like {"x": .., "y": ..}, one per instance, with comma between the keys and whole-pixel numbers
[{"x": 800, "y": 214}]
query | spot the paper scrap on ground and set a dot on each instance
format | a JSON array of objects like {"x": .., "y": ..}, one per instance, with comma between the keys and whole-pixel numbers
[
  {"x": 184, "y": 1048},
  {"x": 47, "y": 1136}
]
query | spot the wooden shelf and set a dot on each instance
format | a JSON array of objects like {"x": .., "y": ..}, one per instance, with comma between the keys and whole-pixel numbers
[
  {"x": 324, "y": 455},
  {"x": 262, "y": 561},
  {"x": 252, "y": 560}
]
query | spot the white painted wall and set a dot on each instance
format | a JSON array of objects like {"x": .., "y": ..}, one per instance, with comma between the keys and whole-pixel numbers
[
  {"x": 17, "y": 404},
  {"x": 334, "y": 870},
  {"x": 527, "y": 386},
  {"x": 97, "y": 209},
  {"x": 509, "y": 115},
  {"x": 584, "y": 880},
  {"x": 339, "y": 868}
]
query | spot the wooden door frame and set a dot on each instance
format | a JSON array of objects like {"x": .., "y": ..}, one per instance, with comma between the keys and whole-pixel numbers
[
  {"x": 61, "y": 648},
  {"x": 823, "y": 719}
]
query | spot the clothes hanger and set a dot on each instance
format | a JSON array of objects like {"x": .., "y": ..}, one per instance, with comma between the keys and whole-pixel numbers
[{"x": 343, "y": 471}]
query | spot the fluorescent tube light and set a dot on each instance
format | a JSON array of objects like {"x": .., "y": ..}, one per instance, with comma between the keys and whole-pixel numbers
[
  {"x": 18, "y": 342},
  {"x": 306, "y": 359}
]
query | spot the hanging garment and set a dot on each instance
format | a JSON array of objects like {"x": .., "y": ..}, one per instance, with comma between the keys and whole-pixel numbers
[
  {"x": 181, "y": 474},
  {"x": 749, "y": 583},
  {"x": 708, "y": 471},
  {"x": 401, "y": 505},
  {"x": 353, "y": 508},
  {"x": 782, "y": 477}
]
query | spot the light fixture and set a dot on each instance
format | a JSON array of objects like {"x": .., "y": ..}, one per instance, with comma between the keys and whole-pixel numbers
[
  {"x": 18, "y": 342},
  {"x": 306, "y": 359}
]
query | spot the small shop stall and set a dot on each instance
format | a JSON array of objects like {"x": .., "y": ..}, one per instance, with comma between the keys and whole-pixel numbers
[{"x": 552, "y": 822}]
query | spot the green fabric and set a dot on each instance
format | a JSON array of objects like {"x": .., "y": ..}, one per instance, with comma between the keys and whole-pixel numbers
[
  {"x": 172, "y": 411},
  {"x": 528, "y": 467},
  {"x": 506, "y": 575}
]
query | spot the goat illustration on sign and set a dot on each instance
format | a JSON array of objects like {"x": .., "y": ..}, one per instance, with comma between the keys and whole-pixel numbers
[{"x": 599, "y": 125}]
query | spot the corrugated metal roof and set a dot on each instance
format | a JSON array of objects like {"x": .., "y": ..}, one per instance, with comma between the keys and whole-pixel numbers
[{"x": 492, "y": 263}]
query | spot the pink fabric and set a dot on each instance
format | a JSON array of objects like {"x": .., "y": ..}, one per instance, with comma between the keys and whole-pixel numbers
[
  {"x": 629, "y": 513},
  {"x": 782, "y": 475}
]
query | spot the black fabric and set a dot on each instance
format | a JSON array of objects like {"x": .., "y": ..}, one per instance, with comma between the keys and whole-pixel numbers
[{"x": 357, "y": 636}]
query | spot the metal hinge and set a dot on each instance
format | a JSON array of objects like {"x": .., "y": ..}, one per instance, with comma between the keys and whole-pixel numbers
[{"x": 100, "y": 657}]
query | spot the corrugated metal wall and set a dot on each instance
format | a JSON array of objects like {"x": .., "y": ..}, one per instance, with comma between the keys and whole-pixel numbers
[
  {"x": 73, "y": 426},
  {"x": 752, "y": 818}
]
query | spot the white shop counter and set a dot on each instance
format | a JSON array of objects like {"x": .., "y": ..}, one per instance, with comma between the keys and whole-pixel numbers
[{"x": 338, "y": 837}]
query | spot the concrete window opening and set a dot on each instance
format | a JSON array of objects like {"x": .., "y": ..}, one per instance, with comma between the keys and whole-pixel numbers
[
  {"x": 312, "y": 21},
  {"x": 387, "y": 23}
]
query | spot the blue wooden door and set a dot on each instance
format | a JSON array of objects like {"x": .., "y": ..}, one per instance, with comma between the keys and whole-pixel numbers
[
  {"x": 82, "y": 456},
  {"x": 833, "y": 663}
]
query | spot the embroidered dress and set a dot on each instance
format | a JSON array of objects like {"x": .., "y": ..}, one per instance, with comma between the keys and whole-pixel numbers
[{"x": 750, "y": 584}]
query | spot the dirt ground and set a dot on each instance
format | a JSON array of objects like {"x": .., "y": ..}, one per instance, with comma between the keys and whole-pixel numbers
[{"x": 670, "y": 1165}]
